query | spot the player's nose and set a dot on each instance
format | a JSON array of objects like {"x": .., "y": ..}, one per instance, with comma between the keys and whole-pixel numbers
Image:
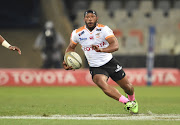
[{"x": 89, "y": 18}]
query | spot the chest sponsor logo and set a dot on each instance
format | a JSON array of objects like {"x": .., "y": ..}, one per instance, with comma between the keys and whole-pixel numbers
[
  {"x": 97, "y": 35},
  {"x": 82, "y": 39},
  {"x": 81, "y": 33},
  {"x": 98, "y": 29},
  {"x": 91, "y": 37},
  {"x": 84, "y": 48}
]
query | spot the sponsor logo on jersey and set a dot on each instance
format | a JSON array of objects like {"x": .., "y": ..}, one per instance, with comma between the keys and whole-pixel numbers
[
  {"x": 82, "y": 39},
  {"x": 81, "y": 33},
  {"x": 97, "y": 35},
  {"x": 118, "y": 68},
  {"x": 98, "y": 29},
  {"x": 90, "y": 48},
  {"x": 91, "y": 37}
]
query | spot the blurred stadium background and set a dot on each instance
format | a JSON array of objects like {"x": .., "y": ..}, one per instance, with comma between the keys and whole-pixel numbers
[{"x": 22, "y": 21}]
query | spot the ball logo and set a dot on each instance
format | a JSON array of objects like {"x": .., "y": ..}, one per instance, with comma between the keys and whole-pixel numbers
[{"x": 72, "y": 64}]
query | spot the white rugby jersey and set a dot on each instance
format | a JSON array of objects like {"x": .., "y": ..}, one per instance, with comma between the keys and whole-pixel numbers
[{"x": 97, "y": 37}]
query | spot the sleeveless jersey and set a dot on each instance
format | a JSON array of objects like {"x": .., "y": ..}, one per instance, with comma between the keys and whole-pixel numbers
[{"x": 97, "y": 37}]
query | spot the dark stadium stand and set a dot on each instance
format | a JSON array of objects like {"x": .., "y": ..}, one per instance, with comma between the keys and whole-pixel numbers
[
  {"x": 20, "y": 13},
  {"x": 129, "y": 19},
  {"x": 126, "y": 16}
]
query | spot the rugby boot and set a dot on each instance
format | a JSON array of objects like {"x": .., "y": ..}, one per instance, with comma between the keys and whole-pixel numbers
[{"x": 132, "y": 107}]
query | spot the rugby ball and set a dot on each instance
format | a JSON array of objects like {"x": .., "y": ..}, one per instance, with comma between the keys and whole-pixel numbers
[{"x": 73, "y": 59}]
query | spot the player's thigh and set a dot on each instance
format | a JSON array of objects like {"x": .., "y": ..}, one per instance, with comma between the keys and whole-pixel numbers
[
  {"x": 100, "y": 80},
  {"x": 124, "y": 83}
]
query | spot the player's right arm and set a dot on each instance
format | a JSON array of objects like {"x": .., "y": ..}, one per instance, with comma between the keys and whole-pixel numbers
[
  {"x": 71, "y": 48},
  {"x": 4, "y": 43}
]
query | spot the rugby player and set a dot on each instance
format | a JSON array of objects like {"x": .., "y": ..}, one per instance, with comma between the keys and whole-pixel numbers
[
  {"x": 98, "y": 42},
  {"x": 4, "y": 43}
]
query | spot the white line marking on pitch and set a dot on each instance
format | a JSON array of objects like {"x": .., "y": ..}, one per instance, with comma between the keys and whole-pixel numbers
[{"x": 164, "y": 117}]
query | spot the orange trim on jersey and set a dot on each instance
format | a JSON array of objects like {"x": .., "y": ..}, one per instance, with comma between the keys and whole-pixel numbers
[
  {"x": 73, "y": 42},
  {"x": 90, "y": 31},
  {"x": 101, "y": 25},
  {"x": 109, "y": 36},
  {"x": 80, "y": 29},
  {"x": 98, "y": 25}
]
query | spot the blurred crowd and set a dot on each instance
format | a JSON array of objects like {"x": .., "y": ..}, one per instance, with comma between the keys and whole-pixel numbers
[{"x": 129, "y": 20}]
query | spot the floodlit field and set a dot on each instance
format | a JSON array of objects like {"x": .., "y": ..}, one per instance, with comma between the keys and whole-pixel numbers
[{"x": 86, "y": 106}]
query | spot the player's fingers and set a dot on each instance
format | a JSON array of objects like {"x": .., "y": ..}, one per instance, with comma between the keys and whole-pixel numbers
[
  {"x": 19, "y": 51},
  {"x": 14, "y": 48},
  {"x": 11, "y": 48},
  {"x": 66, "y": 67},
  {"x": 94, "y": 46},
  {"x": 64, "y": 63},
  {"x": 70, "y": 68}
]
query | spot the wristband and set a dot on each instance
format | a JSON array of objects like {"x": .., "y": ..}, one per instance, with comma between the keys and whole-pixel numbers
[{"x": 5, "y": 44}]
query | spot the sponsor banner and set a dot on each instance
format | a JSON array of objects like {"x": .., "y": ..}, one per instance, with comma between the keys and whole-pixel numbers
[
  {"x": 82, "y": 77},
  {"x": 36, "y": 77},
  {"x": 160, "y": 76}
]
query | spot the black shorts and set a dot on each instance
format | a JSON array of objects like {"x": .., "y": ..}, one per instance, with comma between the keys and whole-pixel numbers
[{"x": 111, "y": 69}]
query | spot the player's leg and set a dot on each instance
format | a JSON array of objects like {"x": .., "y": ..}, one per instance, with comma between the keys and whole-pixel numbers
[
  {"x": 132, "y": 106},
  {"x": 101, "y": 81},
  {"x": 127, "y": 87}
]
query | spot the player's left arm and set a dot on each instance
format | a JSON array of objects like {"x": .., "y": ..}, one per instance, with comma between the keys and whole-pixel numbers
[
  {"x": 113, "y": 46},
  {"x": 4, "y": 43}
]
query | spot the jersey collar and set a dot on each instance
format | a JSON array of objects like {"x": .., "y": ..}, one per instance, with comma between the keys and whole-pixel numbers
[{"x": 92, "y": 30}]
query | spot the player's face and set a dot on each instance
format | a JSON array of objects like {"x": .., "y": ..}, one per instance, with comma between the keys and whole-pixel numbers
[{"x": 90, "y": 20}]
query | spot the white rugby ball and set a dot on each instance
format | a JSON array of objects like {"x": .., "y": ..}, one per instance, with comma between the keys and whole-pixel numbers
[{"x": 73, "y": 59}]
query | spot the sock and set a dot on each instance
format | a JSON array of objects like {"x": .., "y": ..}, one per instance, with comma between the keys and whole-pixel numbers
[
  {"x": 123, "y": 99},
  {"x": 131, "y": 97}
]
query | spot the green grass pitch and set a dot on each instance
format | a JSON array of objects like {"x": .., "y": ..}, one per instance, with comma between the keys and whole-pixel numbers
[{"x": 47, "y": 101}]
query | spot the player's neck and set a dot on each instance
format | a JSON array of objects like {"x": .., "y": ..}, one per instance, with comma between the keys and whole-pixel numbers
[{"x": 91, "y": 28}]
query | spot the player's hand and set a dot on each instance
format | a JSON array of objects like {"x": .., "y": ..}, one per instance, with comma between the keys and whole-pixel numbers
[
  {"x": 96, "y": 48},
  {"x": 66, "y": 67},
  {"x": 14, "y": 48}
]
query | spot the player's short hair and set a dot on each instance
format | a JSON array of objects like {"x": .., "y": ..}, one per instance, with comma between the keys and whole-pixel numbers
[{"x": 90, "y": 11}]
